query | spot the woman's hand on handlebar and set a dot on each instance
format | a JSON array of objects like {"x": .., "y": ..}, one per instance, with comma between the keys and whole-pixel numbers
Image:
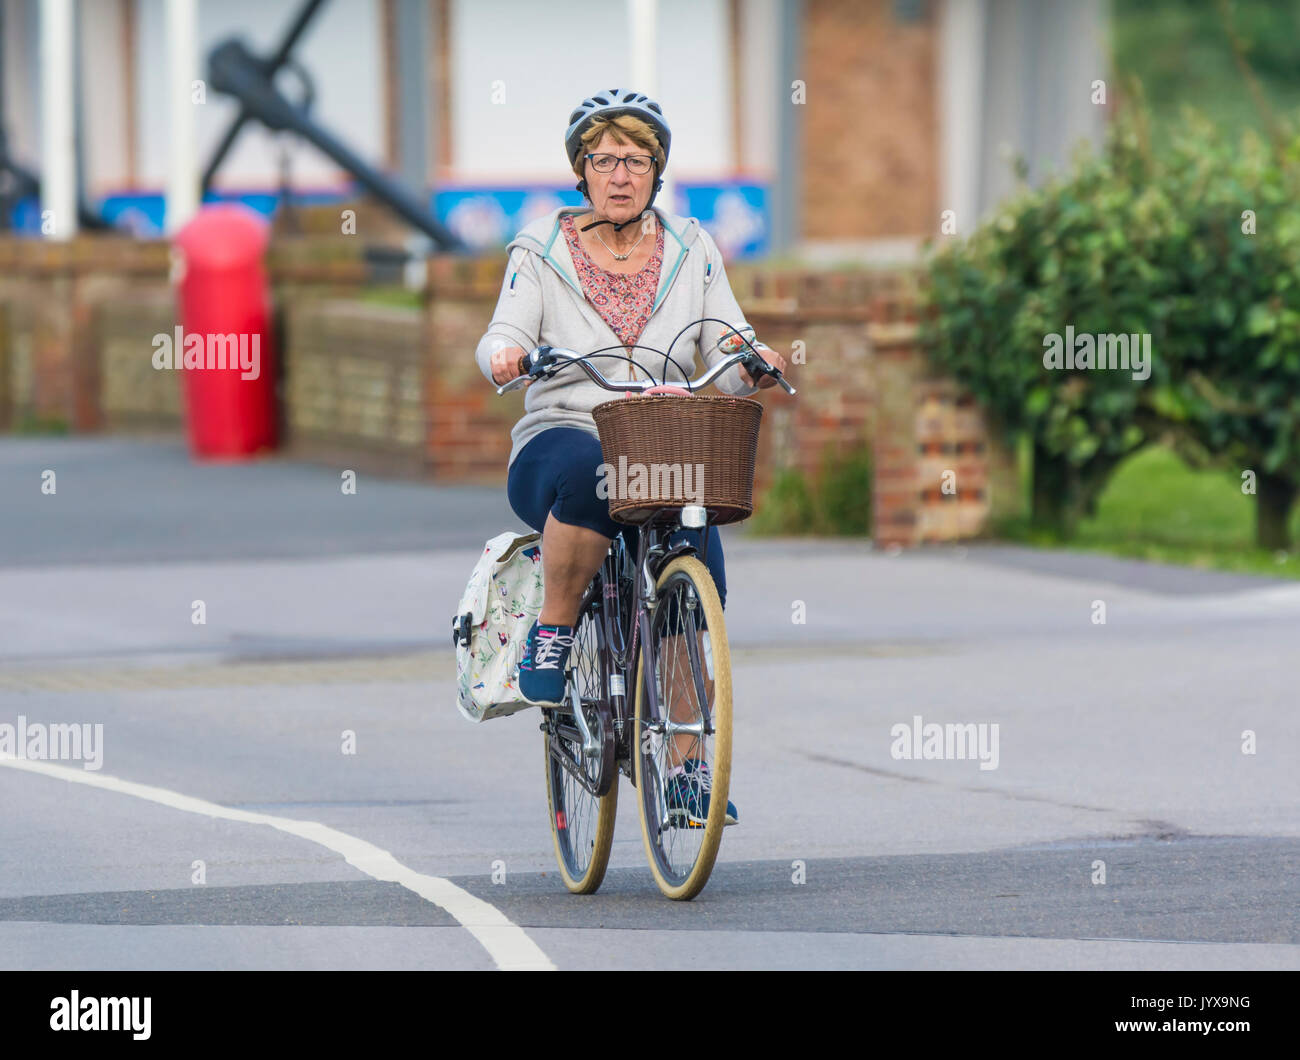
[
  {"x": 505, "y": 364},
  {"x": 764, "y": 381}
]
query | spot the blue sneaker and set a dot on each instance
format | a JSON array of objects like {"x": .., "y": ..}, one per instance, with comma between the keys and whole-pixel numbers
[
  {"x": 688, "y": 797},
  {"x": 541, "y": 670}
]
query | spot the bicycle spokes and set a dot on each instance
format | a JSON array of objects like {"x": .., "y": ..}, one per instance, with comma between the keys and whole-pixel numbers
[
  {"x": 582, "y": 815},
  {"x": 678, "y": 738}
]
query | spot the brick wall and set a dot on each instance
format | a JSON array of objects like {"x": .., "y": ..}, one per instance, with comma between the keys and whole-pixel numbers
[
  {"x": 870, "y": 121},
  {"x": 825, "y": 318},
  {"x": 77, "y": 321},
  {"x": 6, "y": 370},
  {"x": 926, "y": 427},
  {"x": 398, "y": 390},
  {"x": 862, "y": 383},
  {"x": 353, "y": 384},
  {"x": 133, "y": 395},
  {"x": 51, "y": 294},
  {"x": 469, "y": 424}
]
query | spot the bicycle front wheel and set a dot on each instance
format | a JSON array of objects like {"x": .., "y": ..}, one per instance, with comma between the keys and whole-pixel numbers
[
  {"x": 683, "y": 743},
  {"x": 582, "y": 820}
]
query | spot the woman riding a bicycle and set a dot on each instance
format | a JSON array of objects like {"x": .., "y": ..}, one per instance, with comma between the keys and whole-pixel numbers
[{"x": 569, "y": 284}]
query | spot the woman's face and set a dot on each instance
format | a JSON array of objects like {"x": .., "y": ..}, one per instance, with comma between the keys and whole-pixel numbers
[{"x": 619, "y": 195}]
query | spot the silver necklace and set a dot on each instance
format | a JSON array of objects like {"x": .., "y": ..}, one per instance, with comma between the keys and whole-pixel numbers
[{"x": 621, "y": 257}]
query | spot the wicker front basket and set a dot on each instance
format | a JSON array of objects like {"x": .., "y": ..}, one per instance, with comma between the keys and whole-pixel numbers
[{"x": 694, "y": 450}]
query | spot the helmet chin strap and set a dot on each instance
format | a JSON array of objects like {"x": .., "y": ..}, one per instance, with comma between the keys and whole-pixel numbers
[{"x": 581, "y": 186}]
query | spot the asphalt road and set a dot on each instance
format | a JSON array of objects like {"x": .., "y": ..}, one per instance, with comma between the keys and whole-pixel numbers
[{"x": 226, "y": 828}]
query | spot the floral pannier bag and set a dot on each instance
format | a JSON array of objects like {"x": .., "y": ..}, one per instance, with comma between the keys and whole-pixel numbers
[{"x": 501, "y": 602}]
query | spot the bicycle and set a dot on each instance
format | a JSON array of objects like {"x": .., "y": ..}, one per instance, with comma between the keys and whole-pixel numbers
[{"x": 658, "y": 613}]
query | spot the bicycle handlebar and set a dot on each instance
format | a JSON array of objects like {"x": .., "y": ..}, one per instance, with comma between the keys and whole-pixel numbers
[{"x": 546, "y": 361}]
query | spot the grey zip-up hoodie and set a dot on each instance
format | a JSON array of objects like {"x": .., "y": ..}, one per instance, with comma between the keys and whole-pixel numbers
[{"x": 542, "y": 303}]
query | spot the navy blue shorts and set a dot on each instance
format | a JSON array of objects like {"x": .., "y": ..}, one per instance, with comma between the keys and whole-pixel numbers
[{"x": 556, "y": 474}]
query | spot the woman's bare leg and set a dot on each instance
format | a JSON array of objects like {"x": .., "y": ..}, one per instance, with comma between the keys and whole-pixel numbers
[
  {"x": 684, "y": 706},
  {"x": 571, "y": 555}
]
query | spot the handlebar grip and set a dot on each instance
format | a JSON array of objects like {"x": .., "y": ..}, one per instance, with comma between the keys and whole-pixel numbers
[{"x": 757, "y": 365}]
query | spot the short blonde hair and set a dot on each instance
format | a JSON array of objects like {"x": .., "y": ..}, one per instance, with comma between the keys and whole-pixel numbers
[{"x": 623, "y": 128}]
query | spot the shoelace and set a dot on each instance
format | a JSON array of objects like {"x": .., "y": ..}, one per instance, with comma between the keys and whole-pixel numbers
[
  {"x": 694, "y": 784},
  {"x": 549, "y": 650},
  {"x": 701, "y": 777}
]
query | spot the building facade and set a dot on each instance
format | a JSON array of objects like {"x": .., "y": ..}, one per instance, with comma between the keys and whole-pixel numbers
[{"x": 825, "y": 130}]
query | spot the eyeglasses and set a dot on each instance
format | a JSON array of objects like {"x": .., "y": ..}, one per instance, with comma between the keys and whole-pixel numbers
[{"x": 637, "y": 164}]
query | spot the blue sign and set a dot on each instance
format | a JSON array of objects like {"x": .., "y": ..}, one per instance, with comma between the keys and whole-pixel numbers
[
  {"x": 487, "y": 217},
  {"x": 144, "y": 214},
  {"x": 735, "y": 215},
  {"x": 25, "y": 218},
  {"x": 484, "y": 217}
]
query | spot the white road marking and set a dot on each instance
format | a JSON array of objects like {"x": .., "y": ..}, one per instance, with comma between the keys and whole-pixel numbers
[{"x": 506, "y": 942}]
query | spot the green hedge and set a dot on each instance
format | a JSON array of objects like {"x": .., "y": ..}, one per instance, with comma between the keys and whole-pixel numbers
[{"x": 1133, "y": 241}]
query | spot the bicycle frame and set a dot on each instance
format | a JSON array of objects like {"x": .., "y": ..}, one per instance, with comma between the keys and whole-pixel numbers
[
  {"x": 627, "y": 642},
  {"x": 623, "y": 646}
]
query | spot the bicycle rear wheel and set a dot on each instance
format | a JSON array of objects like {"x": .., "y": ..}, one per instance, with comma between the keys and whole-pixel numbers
[
  {"x": 582, "y": 820},
  {"x": 692, "y": 721}
]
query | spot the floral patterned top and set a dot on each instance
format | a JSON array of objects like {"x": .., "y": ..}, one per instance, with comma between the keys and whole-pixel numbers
[{"x": 623, "y": 300}]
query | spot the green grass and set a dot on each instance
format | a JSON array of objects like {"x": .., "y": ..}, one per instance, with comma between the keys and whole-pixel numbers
[
  {"x": 836, "y": 503},
  {"x": 398, "y": 297},
  {"x": 32, "y": 424},
  {"x": 1157, "y": 508}
]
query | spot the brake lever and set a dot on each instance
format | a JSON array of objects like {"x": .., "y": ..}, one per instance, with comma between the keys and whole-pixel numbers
[
  {"x": 754, "y": 363},
  {"x": 514, "y": 384}
]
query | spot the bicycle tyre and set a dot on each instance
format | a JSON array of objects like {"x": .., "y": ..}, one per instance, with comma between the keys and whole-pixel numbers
[
  {"x": 572, "y": 808},
  {"x": 682, "y": 883}
]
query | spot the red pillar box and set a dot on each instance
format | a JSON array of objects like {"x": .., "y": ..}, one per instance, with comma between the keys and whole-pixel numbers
[{"x": 224, "y": 341}]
